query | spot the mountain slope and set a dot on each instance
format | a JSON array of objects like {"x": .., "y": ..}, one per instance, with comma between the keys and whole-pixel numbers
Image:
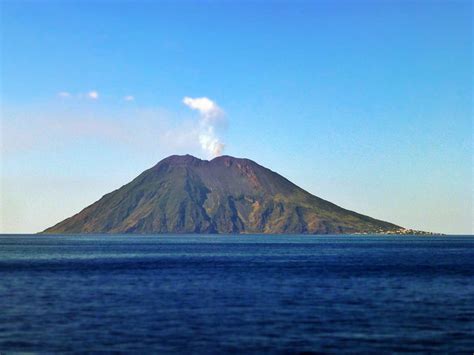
[{"x": 183, "y": 194}]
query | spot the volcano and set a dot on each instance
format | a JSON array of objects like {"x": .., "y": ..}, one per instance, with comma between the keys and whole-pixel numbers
[{"x": 184, "y": 194}]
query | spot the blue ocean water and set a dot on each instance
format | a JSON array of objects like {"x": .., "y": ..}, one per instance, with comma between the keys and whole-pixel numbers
[{"x": 214, "y": 294}]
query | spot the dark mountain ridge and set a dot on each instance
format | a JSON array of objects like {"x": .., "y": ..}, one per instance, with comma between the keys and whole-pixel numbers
[{"x": 184, "y": 194}]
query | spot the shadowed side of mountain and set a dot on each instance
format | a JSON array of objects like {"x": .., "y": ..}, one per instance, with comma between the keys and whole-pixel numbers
[{"x": 184, "y": 194}]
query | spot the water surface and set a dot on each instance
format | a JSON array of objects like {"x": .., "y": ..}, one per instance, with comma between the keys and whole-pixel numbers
[{"x": 236, "y": 293}]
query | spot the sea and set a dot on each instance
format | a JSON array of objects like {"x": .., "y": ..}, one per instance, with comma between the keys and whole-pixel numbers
[{"x": 236, "y": 293}]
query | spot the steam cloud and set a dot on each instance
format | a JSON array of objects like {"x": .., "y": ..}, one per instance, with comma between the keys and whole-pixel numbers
[{"x": 210, "y": 116}]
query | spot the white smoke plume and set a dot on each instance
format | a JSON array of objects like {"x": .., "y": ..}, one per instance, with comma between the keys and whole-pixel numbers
[{"x": 210, "y": 117}]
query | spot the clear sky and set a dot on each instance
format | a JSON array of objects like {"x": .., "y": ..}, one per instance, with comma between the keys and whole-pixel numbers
[{"x": 367, "y": 104}]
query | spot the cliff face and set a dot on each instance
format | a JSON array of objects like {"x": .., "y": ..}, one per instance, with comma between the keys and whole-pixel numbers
[{"x": 183, "y": 194}]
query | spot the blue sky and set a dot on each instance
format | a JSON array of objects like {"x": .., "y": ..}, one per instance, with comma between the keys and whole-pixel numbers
[{"x": 365, "y": 103}]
